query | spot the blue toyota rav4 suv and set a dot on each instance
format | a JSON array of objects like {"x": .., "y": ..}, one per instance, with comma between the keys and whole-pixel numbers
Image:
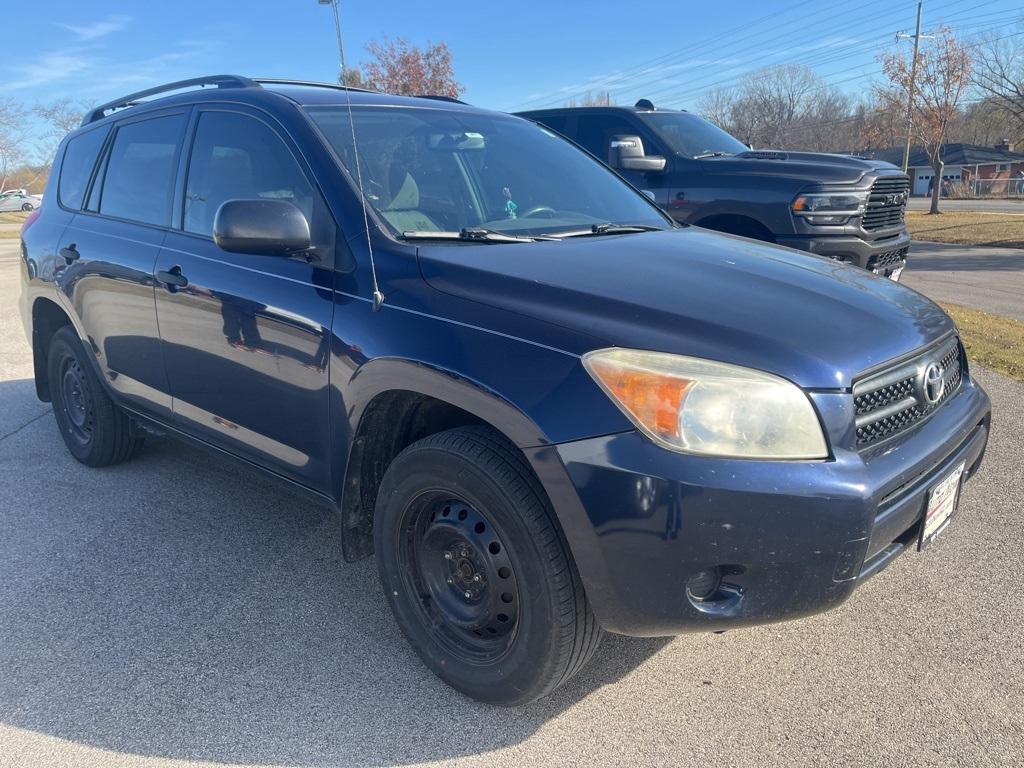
[{"x": 547, "y": 409}]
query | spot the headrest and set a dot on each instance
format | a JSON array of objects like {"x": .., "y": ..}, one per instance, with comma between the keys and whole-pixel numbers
[{"x": 408, "y": 196}]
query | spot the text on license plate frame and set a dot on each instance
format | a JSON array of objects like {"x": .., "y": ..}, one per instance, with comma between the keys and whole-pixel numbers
[{"x": 943, "y": 498}]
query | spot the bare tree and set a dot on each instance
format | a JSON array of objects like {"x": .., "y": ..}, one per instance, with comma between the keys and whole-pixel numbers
[
  {"x": 717, "y": 106},
  {"x": 61, "y": 117},
  {"x": 999, "y": 72},
  {"x": 13, "y": 137},
  {"x": 881, "y": 125},
  {"x": 782, "y": 106},
  {"x": 943, "y": 77},
  {"x": 986, "y": 122},
  {"x": 599, "y": 99}
]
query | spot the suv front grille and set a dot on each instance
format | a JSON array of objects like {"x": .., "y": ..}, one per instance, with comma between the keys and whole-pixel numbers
[
  {"x": 886, "y": 203},
  {"x": 892, "y": 401}
]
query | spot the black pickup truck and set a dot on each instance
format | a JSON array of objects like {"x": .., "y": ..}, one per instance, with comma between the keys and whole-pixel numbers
[{"x": 843, "y": 207}]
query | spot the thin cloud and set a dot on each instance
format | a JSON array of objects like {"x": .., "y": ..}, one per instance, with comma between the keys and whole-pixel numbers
[
  {"x": 48, "y": 68},
  {"x": 97, "y": 29}
]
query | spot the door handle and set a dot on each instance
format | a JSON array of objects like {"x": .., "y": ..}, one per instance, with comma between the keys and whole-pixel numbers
[
  {"x": 172, "y": 278},
  {"x": 70, "y": 253}
]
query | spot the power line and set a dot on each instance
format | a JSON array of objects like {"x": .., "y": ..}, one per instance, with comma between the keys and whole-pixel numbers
[
  {"x": 873, "y": 113},
  {"x": 838, "y": 54},
  {"x": 736, "y": 43},
  {"x": 629, "y": 77},
  {"x": 700, "y": 47}
]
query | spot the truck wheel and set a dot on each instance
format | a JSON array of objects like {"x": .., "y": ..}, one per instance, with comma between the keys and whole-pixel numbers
[
  {"x": 95, "y": 430},
  {"x": 476, "y": 569}
]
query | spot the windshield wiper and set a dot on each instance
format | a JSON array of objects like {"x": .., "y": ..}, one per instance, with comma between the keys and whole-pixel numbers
[
  {"x": 607, "y": 228},
  {"x": 476, "y": 235},
  {"x": 702, "y": 155}
]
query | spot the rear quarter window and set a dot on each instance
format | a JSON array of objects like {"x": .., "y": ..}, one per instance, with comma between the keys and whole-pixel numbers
[{"x": 79, "y": 159}]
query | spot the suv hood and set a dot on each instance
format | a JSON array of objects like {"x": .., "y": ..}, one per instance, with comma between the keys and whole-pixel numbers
[
  {"x": 813, "y": 321},
  {"x": 810, "y": 167}
]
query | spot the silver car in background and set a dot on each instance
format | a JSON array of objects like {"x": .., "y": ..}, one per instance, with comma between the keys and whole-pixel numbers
[{"x": 19, "y": 200}]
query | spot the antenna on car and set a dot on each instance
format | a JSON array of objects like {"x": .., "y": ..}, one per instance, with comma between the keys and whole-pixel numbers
[{"x": 378, "y": 297}]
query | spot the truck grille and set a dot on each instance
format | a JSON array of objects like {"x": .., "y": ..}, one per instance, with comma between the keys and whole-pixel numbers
[
  {"x": 892, "y": 401},
  {"x": 888, "y": 259},
  {"x": 886, "y": 203}
]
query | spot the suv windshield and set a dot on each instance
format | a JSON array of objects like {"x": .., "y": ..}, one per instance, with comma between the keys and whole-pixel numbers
[
  {"x": 432, "y": 170},
  {"x": 692, "y": 136}
]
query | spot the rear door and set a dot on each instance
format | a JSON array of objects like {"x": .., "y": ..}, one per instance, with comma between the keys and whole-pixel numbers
[
  {"x": 245, "y": 336},
  {"x": 109, "y": 250}
]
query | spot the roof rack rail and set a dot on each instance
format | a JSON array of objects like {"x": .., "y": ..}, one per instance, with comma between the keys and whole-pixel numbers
[
  {"x": 221, "y": 81},
  {"x": 311, "y": 83},
  {"x": 439, "y": 97}
]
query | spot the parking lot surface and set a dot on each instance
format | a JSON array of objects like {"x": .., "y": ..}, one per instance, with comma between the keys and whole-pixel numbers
[{"x": 182, "y": 610}]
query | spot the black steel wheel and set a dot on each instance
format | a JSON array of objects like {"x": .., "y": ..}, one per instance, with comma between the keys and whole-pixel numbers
[
  {"x": 454, "y": 561},
  {"x": 95, "y": 430},
  {"x": 75, "y": 401},
  {"x": 477, "y": 570}
]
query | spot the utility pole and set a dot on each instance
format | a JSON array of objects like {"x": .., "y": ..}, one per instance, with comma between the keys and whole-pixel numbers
[
  {"x": 341, "y": 49},
  {"x": 913, "y": 82}
]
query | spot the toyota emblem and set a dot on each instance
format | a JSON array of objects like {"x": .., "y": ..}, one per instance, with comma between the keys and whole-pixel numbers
[{"x": 933, "y": 383}]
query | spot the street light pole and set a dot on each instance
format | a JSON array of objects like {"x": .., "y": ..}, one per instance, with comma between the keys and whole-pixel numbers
[
  {"x": 913, "y": 82},
  {"x": 337, "y": 30}
]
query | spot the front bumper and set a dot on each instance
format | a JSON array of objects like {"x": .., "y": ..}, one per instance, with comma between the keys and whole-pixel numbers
[
  {"x": 791, "y": 538},
  {"x": 889, "y": 253}
]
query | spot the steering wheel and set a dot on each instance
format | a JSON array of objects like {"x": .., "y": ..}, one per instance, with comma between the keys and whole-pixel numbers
[{"x": 549, "y": 212}]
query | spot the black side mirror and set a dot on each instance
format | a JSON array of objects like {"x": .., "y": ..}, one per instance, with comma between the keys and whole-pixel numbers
[
  {"x": 261, "y": 227},
  {"x": 627, "y": 153}
]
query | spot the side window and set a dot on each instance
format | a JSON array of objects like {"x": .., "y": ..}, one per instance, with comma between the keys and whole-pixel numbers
[
  {"x": 594, "y": 132},
  {"x": 555, "y": 122},
  {"x": 139, "y": 181},
  {"x": 237, "y": 157},
  {"x": 79, "y": 160}
]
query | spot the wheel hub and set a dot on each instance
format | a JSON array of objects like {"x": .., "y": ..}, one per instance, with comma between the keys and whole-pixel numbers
[
  {"x": 77, "y": 403},
  {"x": 465, "y": 577}
]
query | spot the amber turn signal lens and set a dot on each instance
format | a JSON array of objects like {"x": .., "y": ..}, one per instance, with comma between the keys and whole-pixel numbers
[{"x": 652, "y": 399}]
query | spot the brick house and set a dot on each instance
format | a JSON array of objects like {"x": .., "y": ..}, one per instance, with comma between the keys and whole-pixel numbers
[{"x": 1001, "y": 168}]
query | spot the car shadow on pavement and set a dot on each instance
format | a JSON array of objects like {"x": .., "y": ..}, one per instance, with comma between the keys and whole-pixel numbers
[{"x": 183, "y": 606}]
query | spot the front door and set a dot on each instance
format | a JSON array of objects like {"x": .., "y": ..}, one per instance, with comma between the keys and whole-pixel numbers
[{"x": 245, "y": 336}]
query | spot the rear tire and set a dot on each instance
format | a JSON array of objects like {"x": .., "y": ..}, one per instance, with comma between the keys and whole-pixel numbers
[
  {"x": 95, "y": 430},
  {"x": 477, "y": 571}
]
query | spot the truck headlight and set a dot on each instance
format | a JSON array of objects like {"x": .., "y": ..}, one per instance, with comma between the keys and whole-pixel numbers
[
  {"x": 715, "y": 409},
  {"x": 830, "y": 207}
]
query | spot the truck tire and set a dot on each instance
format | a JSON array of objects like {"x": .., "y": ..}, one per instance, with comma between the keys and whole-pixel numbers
[
  {"x": 95, "y": 430},
  {"x": 477, "y": 571}
]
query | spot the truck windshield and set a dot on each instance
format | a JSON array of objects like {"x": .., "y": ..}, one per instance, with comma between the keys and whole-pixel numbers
[
  {"x": 692, "y": 136},
  {"x": 433, "y": 170}
]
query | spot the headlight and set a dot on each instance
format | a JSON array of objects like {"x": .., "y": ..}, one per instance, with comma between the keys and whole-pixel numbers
[
  {"x": 715, "y": 409},
  {"x": 830, "y": 207}
]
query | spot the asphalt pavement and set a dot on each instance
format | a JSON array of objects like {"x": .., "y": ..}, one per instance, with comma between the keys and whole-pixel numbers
[
  {"x": 981, "y": 277},
  {"x": 183, "y": 610}
]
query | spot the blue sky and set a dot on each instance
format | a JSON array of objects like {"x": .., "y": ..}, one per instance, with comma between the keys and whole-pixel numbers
[{"x": 509, "y": 55}]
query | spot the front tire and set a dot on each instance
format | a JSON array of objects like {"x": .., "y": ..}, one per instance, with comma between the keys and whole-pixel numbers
[
  {"x": 477, "y": 571},
  {"x": 26, "y": 207},
  {"x": 95, "y": 430}
]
